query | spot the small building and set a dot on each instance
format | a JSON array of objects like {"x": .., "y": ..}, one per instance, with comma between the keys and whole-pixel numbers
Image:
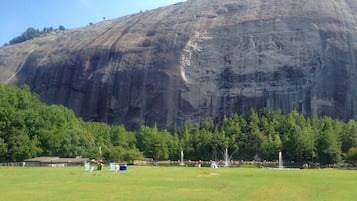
[{"x": 54, "y": 161}]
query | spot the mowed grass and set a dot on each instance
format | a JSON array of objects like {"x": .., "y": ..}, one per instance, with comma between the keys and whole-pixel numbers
[{"x": 176, "y": 183}]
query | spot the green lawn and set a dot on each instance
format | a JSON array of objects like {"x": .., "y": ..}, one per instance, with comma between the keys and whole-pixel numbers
[{"x": 176, "y": 183}]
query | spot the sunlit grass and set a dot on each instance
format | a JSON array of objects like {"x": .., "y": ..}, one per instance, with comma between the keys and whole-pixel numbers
[{"x": 176, "y": 183}]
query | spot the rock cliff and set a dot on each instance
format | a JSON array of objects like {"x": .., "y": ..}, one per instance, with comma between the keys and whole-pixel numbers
[{"x": 198, "y": 59}]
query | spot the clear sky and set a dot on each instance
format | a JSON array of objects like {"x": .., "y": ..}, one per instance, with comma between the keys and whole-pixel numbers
[{"x": 18, "y": 15}]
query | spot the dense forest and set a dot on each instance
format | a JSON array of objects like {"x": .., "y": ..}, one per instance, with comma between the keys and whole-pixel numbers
[{"x": 30, "y": 128}]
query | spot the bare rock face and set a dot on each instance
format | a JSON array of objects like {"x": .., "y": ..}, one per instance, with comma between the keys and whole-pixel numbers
[{"x": 197, "y": 60}]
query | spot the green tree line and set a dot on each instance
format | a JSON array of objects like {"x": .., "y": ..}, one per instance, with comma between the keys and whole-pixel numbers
[
  {"x": 30, "y": 128},
  {"x": 31, "y": 33}
]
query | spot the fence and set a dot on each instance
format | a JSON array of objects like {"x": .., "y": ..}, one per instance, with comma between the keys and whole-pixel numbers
[
  {"x": 12, "y": 164},
  {"x": 207, "y": 163}
]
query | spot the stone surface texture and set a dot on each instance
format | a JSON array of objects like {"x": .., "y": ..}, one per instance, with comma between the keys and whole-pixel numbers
[{"x": 199, "y": 59}]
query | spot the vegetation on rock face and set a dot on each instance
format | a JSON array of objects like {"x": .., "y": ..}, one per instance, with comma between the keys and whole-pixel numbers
[
  {"x": 31, "y": 33},
  {"x": 29, "y": 128}
]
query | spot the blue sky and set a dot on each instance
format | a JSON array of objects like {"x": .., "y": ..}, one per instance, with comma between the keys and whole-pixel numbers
[{"x": 17, "y": 15}]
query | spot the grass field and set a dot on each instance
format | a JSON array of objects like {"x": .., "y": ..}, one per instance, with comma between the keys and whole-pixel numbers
[{"x": 176, "y": 183}]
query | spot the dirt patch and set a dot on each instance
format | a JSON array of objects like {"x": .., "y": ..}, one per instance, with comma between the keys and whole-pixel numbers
[{"x": 211, "y": 174}]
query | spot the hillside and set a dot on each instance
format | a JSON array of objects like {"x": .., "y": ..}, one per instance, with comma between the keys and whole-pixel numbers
[{"x": 196, "y": 60}]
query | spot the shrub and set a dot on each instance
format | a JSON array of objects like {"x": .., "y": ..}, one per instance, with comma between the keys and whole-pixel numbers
[{"x": 351, "y": 155}]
